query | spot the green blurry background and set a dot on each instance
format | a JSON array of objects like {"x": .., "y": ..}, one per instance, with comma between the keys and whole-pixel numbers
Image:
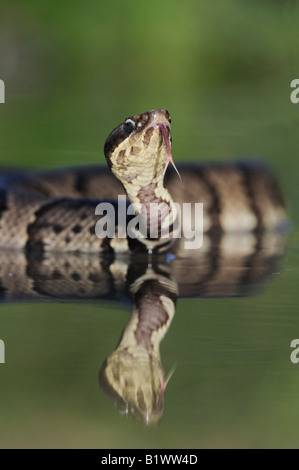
[{"x": 73, "y": 71}]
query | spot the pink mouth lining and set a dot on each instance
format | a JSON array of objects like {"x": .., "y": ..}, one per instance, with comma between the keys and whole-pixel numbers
[{"x": 168, "y": 151}]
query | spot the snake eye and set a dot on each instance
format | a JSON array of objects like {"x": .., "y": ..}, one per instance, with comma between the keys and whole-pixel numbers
[{"x": 130, "y": 125}]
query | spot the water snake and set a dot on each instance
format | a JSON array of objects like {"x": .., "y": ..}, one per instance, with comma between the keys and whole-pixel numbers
[
  {"x": 53, "y": 212},
  {"x": 56, "y": 210}
]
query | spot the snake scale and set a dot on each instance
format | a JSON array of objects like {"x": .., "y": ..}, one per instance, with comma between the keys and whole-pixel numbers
[{"x": 49, "y": 247}]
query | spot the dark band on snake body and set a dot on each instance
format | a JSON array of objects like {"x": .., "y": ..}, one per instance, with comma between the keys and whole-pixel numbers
[
  {"x": 248, "y": 188},
  {"x": 81, "y": 183},
  {"x": 215, "y": 207},
  {"x": 3, "y": 201}
]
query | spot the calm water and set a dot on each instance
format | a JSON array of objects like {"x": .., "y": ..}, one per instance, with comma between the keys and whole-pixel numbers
[{"x": 224, "y": 73}]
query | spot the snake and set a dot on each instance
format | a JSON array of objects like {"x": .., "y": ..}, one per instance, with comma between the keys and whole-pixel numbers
[
  {"x": 55, "y": 210},
  {"x": 49, "y": 247}
]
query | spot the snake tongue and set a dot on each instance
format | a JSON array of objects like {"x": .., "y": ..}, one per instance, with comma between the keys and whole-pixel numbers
[
  {"x": 163, "y": 383},
  {"x": 168, "y": 151}
]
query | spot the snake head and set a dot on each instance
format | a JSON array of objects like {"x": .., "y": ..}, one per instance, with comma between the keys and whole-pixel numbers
[
  {"x": 135, "y": 126},
  {"x": 138, "y": 150}
]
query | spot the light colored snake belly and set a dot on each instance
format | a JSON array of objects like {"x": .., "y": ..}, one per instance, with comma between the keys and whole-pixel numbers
[{"x": 49, "y": 248}]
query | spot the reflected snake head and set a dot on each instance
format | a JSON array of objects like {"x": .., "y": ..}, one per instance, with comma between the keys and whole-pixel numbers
[{"x": 136, "y": 389}]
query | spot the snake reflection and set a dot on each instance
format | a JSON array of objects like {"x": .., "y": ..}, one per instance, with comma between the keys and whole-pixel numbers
[{"x": 132, "y": 375}]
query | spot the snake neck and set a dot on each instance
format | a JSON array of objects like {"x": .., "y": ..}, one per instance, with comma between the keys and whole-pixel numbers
[{"x": 156, "y": 212}]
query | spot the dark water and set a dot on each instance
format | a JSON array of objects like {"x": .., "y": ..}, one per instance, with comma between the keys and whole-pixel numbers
[{"x": 73, "y": 73}]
